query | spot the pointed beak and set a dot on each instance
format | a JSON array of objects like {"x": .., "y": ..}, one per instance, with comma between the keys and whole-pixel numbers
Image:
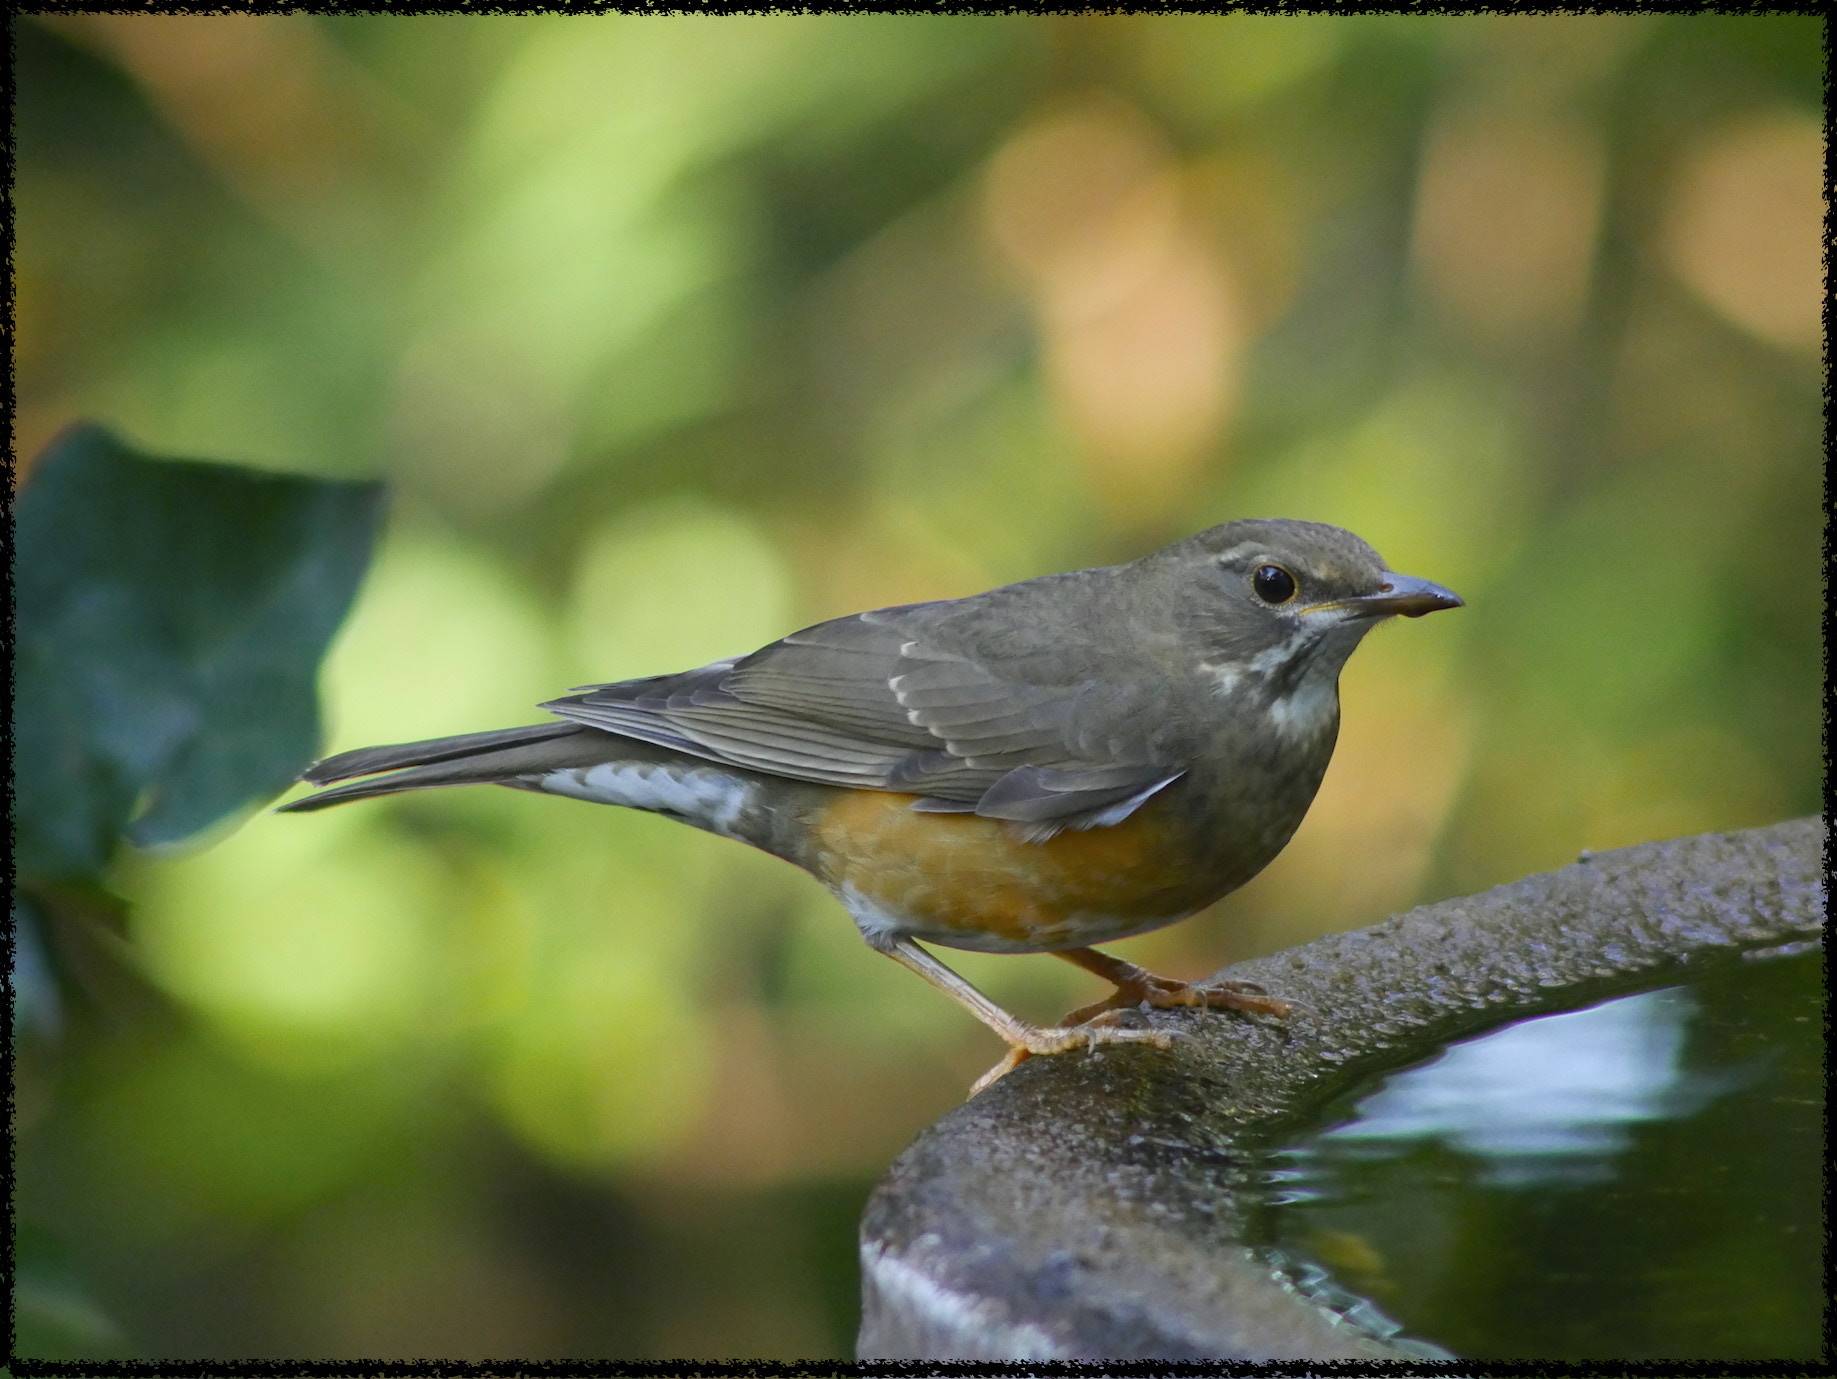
[{"x": 1405, "y": 595}]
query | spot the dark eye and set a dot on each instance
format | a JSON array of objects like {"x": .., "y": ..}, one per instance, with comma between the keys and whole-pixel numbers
[{"x": 1273, "y": 584}]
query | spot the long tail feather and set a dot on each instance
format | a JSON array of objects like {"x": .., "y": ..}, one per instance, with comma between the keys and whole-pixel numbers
[
  {"x": 367, "y": 761},
  {"x": 470, "y": 759}
]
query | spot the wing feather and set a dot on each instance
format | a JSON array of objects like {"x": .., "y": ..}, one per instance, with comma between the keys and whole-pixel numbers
[{"x": 914, "y": 699}]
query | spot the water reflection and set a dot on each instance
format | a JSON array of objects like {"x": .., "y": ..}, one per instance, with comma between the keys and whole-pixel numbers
[
  {"x": 1638, "y": 1179},
  {"x": 1551, "y": 1099}
]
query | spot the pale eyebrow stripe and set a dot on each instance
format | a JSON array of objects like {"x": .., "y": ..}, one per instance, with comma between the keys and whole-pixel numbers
[{"x": 1232, "y": 552}]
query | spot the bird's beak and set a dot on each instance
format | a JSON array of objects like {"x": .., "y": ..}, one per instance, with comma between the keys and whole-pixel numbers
[
  {"x": 1405, "y": 595},
  {"x": 1399, "y": 594}
]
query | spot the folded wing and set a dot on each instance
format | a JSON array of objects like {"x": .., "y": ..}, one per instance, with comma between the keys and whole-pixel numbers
[{"x": 910, "y": 699}]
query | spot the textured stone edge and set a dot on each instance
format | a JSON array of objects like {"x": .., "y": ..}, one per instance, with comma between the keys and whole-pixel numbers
[{"x": 1084, "y": 1207}]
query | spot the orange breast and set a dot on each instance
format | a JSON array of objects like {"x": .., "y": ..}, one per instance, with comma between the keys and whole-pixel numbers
[{"x": 970, "y": 882}]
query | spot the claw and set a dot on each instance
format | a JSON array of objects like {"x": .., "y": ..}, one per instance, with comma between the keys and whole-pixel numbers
[
  {"x": 1120, "y": 1017},
  {"x": 1024, "y": 1040},
  {"x": 1164, "y": 993},
  {"x": 1042, "y": 1042},
  {"x": 1245, "y": 996},
  {"x": 1010, "y": 1061}
]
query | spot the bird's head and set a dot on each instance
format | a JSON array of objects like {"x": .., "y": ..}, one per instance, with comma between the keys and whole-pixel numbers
[{"x": 1275, "y": 605}]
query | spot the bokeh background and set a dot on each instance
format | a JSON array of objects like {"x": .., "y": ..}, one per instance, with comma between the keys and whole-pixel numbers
[{"x": 672, "y": 334}]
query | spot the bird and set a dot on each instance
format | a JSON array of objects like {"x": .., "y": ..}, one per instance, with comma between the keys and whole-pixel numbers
[{"x": 1053, "y": 764}]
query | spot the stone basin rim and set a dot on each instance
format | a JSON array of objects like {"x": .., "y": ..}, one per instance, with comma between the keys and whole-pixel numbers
[{"x": 1089, "y": 1208}]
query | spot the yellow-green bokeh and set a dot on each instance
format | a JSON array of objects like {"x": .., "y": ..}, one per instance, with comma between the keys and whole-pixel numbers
[{"x": 675, "y": 333}]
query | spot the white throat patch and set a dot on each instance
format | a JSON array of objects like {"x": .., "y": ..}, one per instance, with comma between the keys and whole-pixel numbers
[
  {"x": 1312, "y": 705},
  {"x": 1310, "y": 710},
  {"x": 1227, "y": 676}
]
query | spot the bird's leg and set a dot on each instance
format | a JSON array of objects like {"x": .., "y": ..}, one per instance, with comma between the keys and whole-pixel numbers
[
  {"x": 1024, "y": 1040},
  {"x": 1135, "y": 986}
]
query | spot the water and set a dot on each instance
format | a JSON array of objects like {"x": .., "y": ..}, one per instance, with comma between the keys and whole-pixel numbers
[{"x": 1637, "y": 1180}]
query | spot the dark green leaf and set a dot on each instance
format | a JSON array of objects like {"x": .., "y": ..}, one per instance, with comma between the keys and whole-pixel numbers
[{"x": 171, "y": 619}]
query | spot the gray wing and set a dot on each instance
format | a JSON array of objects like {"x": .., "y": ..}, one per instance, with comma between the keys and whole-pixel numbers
[{"x": 908, "y": 699}]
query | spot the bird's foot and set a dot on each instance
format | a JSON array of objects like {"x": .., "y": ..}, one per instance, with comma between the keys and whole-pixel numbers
[
  {"x": 1165, "y": 993},
  {"x": 1107, "y": 1027}
]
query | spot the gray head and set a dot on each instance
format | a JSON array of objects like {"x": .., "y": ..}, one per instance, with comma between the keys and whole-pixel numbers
[{"x": 1282, "y": 602}]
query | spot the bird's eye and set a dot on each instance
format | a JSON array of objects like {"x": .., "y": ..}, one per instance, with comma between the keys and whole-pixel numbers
[{"x": 1273, "y": 584}]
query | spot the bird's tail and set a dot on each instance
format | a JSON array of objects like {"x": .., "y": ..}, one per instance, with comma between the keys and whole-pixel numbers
[{"x": 469, "y": 759}]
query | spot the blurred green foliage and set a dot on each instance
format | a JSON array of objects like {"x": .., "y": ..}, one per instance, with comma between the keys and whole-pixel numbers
[
  {"x": 673, "y": 333},
  {"x": 169, "y": 622}
]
